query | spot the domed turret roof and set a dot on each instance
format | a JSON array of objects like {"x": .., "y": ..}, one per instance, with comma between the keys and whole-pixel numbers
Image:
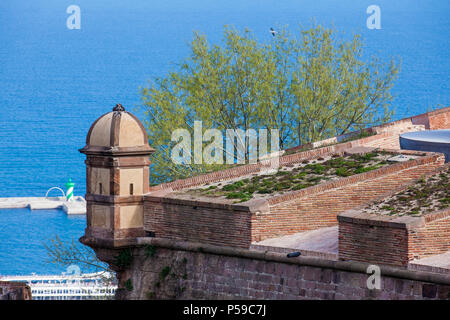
[{"x": 118, "y": 132}]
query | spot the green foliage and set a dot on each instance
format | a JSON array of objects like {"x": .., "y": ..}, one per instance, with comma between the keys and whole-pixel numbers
[
  {"x": 243, "y": 196},
  {"x": 300, "y": 186},
  {"x": 316, "y": 168},
  {"x": 65, "y": 254},
  {"x": 364, "y": 157},
  {"x": 343, "y": 172},
  {"x": 428, "y": 194},
  {"x": 124, "y": 258},
  {"x": 309, "y": 86},
  {"x": 128, "y": 285},
  {"x": 149, "y": 251},
  {"x": 233, "y": 186},
  {"x": 297, "y": 178},
  {"x": 164, "y": 272},
  {"x": 366, "y": 169}
]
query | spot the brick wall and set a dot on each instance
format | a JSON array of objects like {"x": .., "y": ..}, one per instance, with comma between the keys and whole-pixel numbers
[
  {"x": 186, "y": 271},
  {"x": 192, "y": 221},
  {"x": 372, "y": 243},
  {"x": 432, "y": 238},
  {"x": 317, "y": 207},
  {"x": 439, "y": 119},
  {"x": 388, "y": 134},
  {"x": 392, "y": 241},
  {"x": 14, "y": 291}
]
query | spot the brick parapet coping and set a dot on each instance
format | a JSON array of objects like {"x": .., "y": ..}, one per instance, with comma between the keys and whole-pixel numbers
[
  {"x": 350, "y": 266},
  {"x": 421, "y": 267},
  {"x": 308, "y": 253},
  {"x": 403, "y": 222},
  {"x": 380, "y": 130},
  {"x": 261, "y": 206},
  {"x": 427, "y": 115}
]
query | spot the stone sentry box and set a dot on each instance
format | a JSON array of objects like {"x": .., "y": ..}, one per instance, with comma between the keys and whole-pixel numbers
[{"x": 117, "y": 176}]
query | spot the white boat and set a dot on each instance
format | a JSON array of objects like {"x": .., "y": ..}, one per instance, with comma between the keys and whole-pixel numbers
[{"x": 89, "y": 286}]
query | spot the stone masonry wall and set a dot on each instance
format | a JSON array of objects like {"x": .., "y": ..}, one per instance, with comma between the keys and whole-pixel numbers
[
  {"x": 178, "y": 270},
  {"x": 14, "y": 291}
]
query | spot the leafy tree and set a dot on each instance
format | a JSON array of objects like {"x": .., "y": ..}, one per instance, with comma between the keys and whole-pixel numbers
[
  {"x": 310, "y": 87},
  {"x": 66, "y": 254},
  {"x": 73, "y": 253}
]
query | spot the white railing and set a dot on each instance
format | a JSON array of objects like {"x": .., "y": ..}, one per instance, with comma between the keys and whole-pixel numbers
[{"x": 64, "y": 194}]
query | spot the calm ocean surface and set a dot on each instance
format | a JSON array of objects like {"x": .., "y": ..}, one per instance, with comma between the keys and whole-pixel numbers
[{"x": 55, "y": 82}]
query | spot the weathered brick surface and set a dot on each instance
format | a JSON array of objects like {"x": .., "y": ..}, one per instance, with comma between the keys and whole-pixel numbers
[
  {"x": 373, "y": 243},
  {"x": 432, "y": 238},
  {"x": 370, "y": 239},
  {"x": 219, "y": 226},
  {"x": 388, "y": 134},
  {"x": 175, "y": 274},
  {"x": 439, "y": 119},
  {"x": 195, "y": 274}
]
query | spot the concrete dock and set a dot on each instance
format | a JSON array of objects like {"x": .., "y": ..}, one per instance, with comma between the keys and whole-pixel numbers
[{"x": 76, "y": 206}]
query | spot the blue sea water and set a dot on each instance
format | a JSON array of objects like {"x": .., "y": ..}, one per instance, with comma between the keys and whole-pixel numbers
[
  {"x": 24, "y": 232},
  {"x": 54, "y": 82}
]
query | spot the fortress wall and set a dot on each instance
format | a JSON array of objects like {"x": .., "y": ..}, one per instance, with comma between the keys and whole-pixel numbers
[
  {"x": 182, "y": 270},
  {"x": 388, "y": 134}
]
